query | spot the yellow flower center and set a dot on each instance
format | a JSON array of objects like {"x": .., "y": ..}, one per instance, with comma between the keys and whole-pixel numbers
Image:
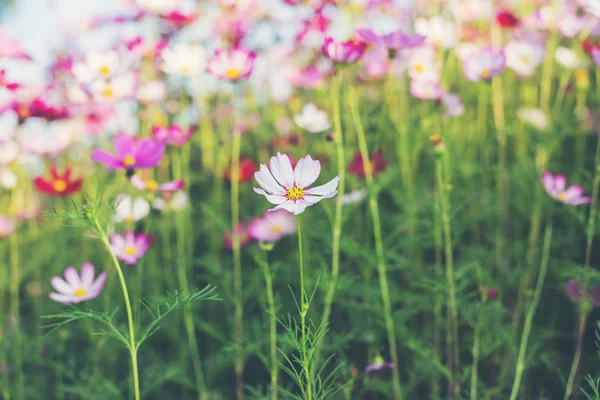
[
  {"x": 24, "y": 112},
  {"x": 525, "y": 59},
  {"x": 130, "y": 251},
  {"x": 151, "y": 185},
  {"x": 485, "y": 74},
  {"x": 80, "y": 292},
  {"x": 276, "y": 229},
  {"x": 186, "y": 69},
  {"x": 105, "y": 70},
  {"x": 107, "y": 92},
  {"x": 233, "y": 74},
  {"x": 128, "y": 160},
  {"x": 295, "y": 193},
  {"x": 561, "y": 197},
  {"x": 419, "y": 68},
  {"x": 59, "y": 185}
]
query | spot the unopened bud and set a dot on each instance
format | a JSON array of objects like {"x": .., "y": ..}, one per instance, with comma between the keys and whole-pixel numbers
[
  {"x": 266, "y": 246},
  {"x": 438, "y": 144}
]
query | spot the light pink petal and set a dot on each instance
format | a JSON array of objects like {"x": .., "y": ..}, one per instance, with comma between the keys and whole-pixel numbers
[
  {"x": 171, "y": 186},
  {"x": 61, "y": 286},
  {"x": 573, "y": 192},
  {"x": 96, "y": 287},
  {"x": 138, "y": 182},
  {"x": 62, "y": 298},
  {"x": 560, "y": 182},
  {"x": 87, "y": 274},
  {"x": 72, "y": 277}
]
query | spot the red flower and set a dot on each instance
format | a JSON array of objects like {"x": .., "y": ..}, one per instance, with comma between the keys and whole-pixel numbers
[
  {"x": 247, "y": 170},
  {"x": 507, "y": 19},
  {"x": 588, "y": 45},
  {"x": 58, "y": 185},
  {"x": 356, "y": 166}
]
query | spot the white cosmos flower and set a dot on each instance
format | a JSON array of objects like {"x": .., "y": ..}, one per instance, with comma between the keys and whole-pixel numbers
[
  {"x": 534, "y": 117},
  {"x": 312, "y": 119},
  {"x": 117, "y": 88},
  {"x": 158, "y": 6},
  {"x": 593, "y": 7},
  {"x": 353, "y": 197},
  {"x": 171, "y": 202},
  {"x": 569, "y": 58},
  {"x": 183, "y": 59},
  {"x": 96, "y": 65},
  {"x": 130, "y": 210},
  {"x": 287, "y": 188}
]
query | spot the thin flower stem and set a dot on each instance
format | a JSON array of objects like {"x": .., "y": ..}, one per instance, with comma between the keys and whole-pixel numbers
[
  {"x": 452, "y": 307},
  {"x": 337, "y": 225},
  {"x": 584, "y": 309},
  {"x": 15, "y": 311},
  {"x": 379, "y": 248},
  {"x": 477, "y": 341},
  {"x": 272, "y": 326},
  {"x": 132, "y": 341},
  {"x": 303, "y": 311},
  {"x": 237, "y": 260},
  {"x": 520, "y": 367},
  {"x": 183, "y": 283}
]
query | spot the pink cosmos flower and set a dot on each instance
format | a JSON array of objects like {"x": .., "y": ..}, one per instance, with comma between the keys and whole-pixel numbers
[
  {"x": 6, "y": 226},
  {"x": 129, "y": 247},
  {"x": 12, "y": 86},
  {"x": 425, "y": 89},
  {"x": 396, "y": 40},
  {"x": 131, "y": 153},
  {"x": 272, "y": 226},
  {"x": 232, "y": 64},
  {"x": 596, "y": 56},
  {"x": 174, "y": 134},
  {"x": 306, "y": 78},
  {"x": 484, "y": 65},
  {"x": 241, "y": 231},
  {"x": 10, "y": 48},
  {"x": 287, "y": 187},
  {"x": 150, "y": 185},
  {"x": 574, "y": 293},
  {"x": 451, "y": 102},
  {"x": 343, "y": 52},
  {"x": 555, "y": 186},
  {"x": 75, "y": 288}
]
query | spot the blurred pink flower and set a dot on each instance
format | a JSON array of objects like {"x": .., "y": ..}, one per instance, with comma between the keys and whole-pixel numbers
[
  {"x": 484, "y": 65},
  {"x": 131, "y": 153},
  {"x": 129, "y": 247},
  {"x": 151, "y": 186},
  {"x": 343, "y": 52},
  {"x": 272, "y": 226},
  {"x": 77, "y": 288},
  {"x": 6, "y": 226},
  {"x": 555, "y": 186},
  {"x": 174, "y": 135},
  {"x": 10, "y": 48},
  {"x": 241, "y": 231},
  {"x": 232, "y": 64},
  {"x": 425, "y": 90}
]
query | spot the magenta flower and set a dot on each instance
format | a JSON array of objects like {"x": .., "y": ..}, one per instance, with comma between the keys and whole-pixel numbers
[
  {"x": 555, "y": 186},
  {"x": 131, "y": 153},
  {"x": 574, "y": 293},
  {"x": 174, "y": 134},
  {"x": 77, "y": 288},
  {"x": 596, "y": 56},
  {"x": 272, "y": 226},
  {"x": 233, "y": 64},
  {"x": 343, "y": 52},
  {"x": 484, "y": 65},
  {"x": 396, "y": 40},
  {"x": 129, "y": 247},
  {"x": 378, "y": 365}
]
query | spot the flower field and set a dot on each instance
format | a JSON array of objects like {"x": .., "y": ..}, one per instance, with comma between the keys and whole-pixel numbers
[{"x": 300, "y": 199}]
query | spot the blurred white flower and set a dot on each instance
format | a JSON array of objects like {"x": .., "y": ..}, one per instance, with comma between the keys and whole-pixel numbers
[
  {"x": 158, "y": 6},
  {"x": 524, "y": 56},
  {"x": 422, "y": 65},
  {"x": 534, "y": 117},
  {"x": 312, "y": 119},
  {"x": 183, "y": 59},
  {"x": 569, "y": 58},
  {"x": 355, "y": 196},
  {"x": 118, "y": 88},
  {"x": 152, "y": 92},
  {"x": 96, "y": 65},
  {"x": 171, "y": 202},
  {"x": 439, "y": 32},
  {"x": 129, "y": 209}
]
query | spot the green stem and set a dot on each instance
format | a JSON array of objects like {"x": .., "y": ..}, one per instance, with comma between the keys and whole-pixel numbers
[
  {"x": 303, "y": 311},
  {"x": 15, "y": 311},
  {"x": 237, "y": 260},
  {"x": 337, "y": 225},
  {"x": 531, "y": 312},
  {"x": 584, "y": 309},
  {"x": 132, "y": 341},
  {"x": 272, "y": 326},
  {"x": 381, "y": 266},
  {"x": 452, "y": 307}
]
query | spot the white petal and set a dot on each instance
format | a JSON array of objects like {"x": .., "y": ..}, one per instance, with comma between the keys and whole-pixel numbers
[
  {"x": 141, "y": 208},
  {"x": 309, "y": 173},
  {"x": 288, "y": 206},
  {"x": 267, "y": 182},
  {"x": 325, "y": 189},
  {"x": 272, "y": 198},
  {"x": 61, "y": 286},
  {"x": 72, "y": 277}
]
